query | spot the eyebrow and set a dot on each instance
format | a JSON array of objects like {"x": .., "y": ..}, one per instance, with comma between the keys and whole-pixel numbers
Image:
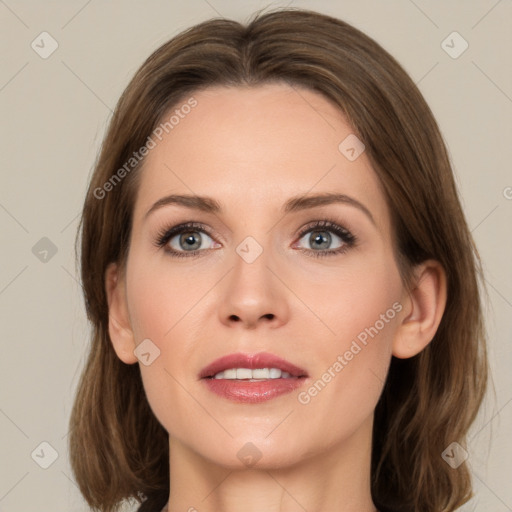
[{"x": 294, "y": 204}]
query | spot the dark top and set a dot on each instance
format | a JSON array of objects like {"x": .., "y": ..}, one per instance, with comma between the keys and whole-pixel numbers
[
  {"x": 157, "y": 503},
  {"x": 154, "y": 503}
]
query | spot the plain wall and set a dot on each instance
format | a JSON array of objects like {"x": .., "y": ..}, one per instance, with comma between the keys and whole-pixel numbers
[{"x": 54, "y": 115}]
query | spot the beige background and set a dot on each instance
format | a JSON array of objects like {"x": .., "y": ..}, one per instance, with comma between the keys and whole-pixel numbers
[{"x": 54, "y": 113}]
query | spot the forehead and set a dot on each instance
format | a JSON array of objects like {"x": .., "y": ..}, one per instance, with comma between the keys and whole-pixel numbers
[{"x": 253, "y": 148}]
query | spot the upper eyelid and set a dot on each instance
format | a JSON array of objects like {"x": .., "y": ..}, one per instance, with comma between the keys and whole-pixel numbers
[{"x": 323, "y": 223}]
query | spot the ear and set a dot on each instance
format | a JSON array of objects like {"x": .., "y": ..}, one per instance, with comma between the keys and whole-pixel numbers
[
  {"x": 119, "y": 326},
  {"x": 423, "y": 310}
]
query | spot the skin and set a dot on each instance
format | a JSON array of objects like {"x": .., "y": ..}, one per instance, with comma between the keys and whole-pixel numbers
[{"x": 252, "y": 149}]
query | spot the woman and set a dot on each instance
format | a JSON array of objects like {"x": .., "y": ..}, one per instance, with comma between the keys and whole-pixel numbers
[{"x": 283, "y": 287}]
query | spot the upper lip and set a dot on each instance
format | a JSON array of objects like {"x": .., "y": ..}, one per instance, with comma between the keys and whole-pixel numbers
[{"x": 251, "y": 361}]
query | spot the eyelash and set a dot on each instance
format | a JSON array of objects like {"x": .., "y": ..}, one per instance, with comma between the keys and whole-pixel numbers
[{"x": 349, "y": 240}]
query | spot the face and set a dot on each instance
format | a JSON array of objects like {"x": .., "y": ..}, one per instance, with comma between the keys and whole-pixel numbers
[{"x": 313, "y": 284}]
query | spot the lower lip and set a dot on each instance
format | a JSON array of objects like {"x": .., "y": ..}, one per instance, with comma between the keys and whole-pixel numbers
[{"x": 245, "y": 391}]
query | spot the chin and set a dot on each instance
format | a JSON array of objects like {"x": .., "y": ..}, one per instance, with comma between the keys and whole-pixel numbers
[{"x": 255, "y": 449}]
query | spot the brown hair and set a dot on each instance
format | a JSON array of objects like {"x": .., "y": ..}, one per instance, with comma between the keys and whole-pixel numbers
[{"x": 118, "y": 449}]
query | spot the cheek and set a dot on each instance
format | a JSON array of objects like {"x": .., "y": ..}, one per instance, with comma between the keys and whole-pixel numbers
[
  {"x": 161, "y": 303},
  {"x": 361, "y": 308},
  {"x": 160, "y": 296},
  {"x": 351, "y": 301}
]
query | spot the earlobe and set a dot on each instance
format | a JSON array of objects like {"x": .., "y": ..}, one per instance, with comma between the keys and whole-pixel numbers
[
  {"x": 120, "y": 331},
  {"x": 422, "y": 315}
]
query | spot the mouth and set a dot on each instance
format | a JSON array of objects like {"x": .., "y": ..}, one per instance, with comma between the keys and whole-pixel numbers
[{"x": 252, "y": 378}]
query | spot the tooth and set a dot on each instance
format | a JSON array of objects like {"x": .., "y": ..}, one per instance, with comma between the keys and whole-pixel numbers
[
  {"x": 261, "y": 373},
  {"x": 230, "y": 374},
  {"x": 275, "y": 373},
  {"x": 252, "y": 375},
  {"x": 243, "y": 373}
]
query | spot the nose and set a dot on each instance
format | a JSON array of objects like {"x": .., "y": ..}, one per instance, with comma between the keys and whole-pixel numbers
[{"x": 253, "y": 295}]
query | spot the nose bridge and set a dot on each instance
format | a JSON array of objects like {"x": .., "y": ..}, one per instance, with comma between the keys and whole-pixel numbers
[{"x": 253, "y": 294}]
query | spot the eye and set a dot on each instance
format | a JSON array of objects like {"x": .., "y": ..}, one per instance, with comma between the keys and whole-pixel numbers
[
  {"x": 326, "y": 238},
  {"x": 185, "y": 240}
]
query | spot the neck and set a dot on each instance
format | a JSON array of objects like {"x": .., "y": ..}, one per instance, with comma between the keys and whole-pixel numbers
[{"x": 338, "y": 479}]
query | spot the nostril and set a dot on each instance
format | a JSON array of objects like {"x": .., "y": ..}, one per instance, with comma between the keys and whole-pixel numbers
[{"x": 268, "y": 316}]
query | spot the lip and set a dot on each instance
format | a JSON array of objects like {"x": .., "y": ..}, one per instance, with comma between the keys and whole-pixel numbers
[{"x": 245, "y": 391}]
